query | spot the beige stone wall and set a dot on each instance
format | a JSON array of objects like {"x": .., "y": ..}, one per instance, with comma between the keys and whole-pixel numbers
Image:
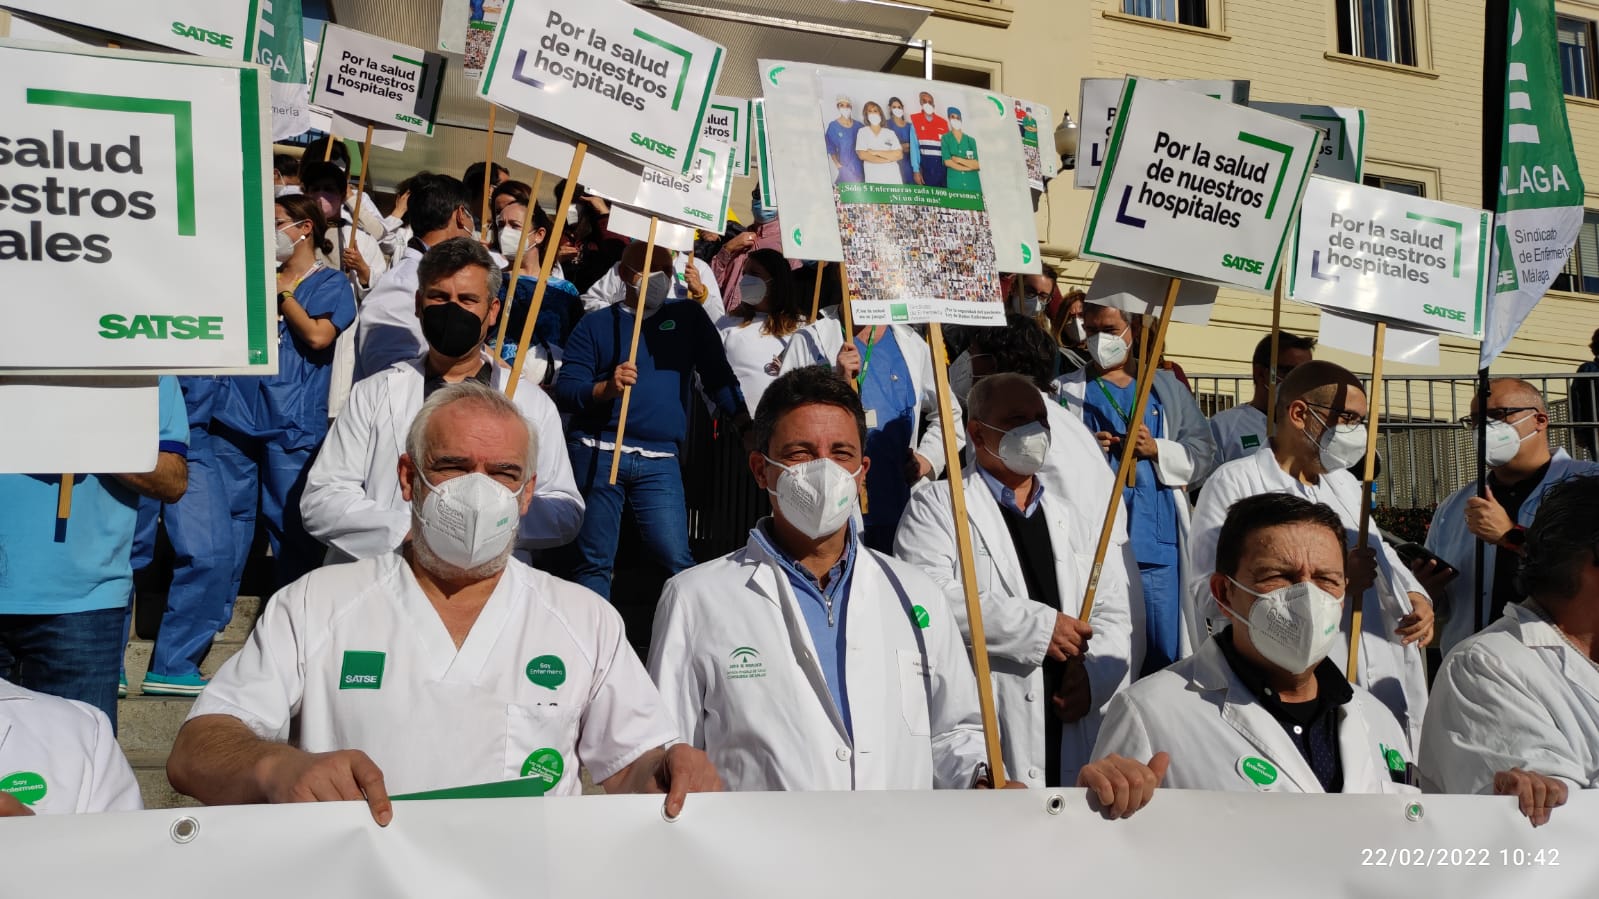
[{"x": 1423, "y": 125}]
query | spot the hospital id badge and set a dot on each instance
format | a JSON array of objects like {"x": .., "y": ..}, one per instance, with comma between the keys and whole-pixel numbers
[{"x": 871, "y": 419}]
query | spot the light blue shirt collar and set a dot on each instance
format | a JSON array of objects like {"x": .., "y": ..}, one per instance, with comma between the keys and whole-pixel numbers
[{"x": 1007, "y": 497}]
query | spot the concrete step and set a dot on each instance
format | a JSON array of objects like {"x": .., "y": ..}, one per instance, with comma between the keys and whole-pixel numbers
[
  {"x": 137, "y": 660},
  {"x": 150, "y": 723},
  {"x": 150, "y": 770}
]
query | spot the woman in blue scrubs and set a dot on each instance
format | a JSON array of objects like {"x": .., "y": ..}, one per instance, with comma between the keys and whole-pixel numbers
[{"x": 269, "y": 426}]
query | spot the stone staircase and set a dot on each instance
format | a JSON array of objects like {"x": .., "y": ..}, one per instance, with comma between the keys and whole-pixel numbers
[{"x": 147, "y": 725}]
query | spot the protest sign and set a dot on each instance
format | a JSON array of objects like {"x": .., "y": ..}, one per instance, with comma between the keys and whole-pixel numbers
[
  {"x": 763, "y": 153},
  {"x": 377, "y": 80},
  {"x": 123, "y": 412},
  {"x": 607, "y": 71},
  {"x": 345, "y": 128},
  {"x": 1098, "y": 101},
  {"x": 925, "y": 210},
  {"x": 698, "y": 198},
  {"x": 1391, "y": 256},
  {"x": 1035, "y": 119},
  {"x": 219, "y": 29},
  {"x": 632, "y": 223},
  {"x": 123, "y": 172},
  {"x": 550, "y": 150},
  {"x": 1138, "y": 292},
  {"x": 1343, "y": 136},
  {"x": 1339, "y": 332},
  {"x": 1198, "y": 188},
  {"x": 466, "y": 29},
  {"x": 728, "y": 119}
]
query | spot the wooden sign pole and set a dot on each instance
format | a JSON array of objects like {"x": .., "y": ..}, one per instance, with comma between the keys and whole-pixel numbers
[
  {"x": 552, "y": 244},
  {"x": 1373, "y": 414},
  {"x": 845, "y": 320},
  {"x": 1276, "y": 341},
  {"x": 488, "y": 172},
  {"x": 360, "y": 192},
  {"x": 963, "y": 544},
  {"x": 816, "y": 292},
  {"x": 632, "y": 353},
  {"x": 1128, "y": 459},
  {"x": 516, "y": 265}
]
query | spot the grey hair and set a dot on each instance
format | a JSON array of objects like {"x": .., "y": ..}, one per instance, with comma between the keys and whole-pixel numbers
[
  {"x": 445, "y": 259},
  {"x": 981, "y": 397},
  {"x": 480, "y": 396}
]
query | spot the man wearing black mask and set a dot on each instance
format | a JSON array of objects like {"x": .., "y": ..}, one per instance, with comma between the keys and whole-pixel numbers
[{"x": 352, "y": 498}]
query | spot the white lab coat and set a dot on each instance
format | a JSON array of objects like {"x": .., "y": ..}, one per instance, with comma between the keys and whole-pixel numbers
[
  {"x": 818, "y": 344},
  {"x": 352, "y": 498},
  {"x": 68, "y": 745},
  {"x": 438, "y": 716},
  {"x": 387, "y": 330},
  {"x": 1396, "y": 674},
  {"x": 1238, "y": 432},
  {"x": 1018, "y": 628},
  {"x": 1516, "y": 695},
  {"x": 1200, "y": 712},
  {"x": 609, "y": 290},
  {"x": 1449, "y": 538},
  {"x": 736, "y": 667}
]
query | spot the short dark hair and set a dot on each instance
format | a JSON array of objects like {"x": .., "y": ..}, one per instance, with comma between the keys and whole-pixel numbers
[
  {"x": 1022, "y": 346},
  {"x": 433, "y": 202},
  {"x": 518, "y": 191},
  {"x": 286, "y": 164},
  {"x": 324, "y": 177},
  {"x": 1564, "y": 536},
  {"x": 445, "y": 259},
  {"x": 1285, "y": 341},
  {"x": 811, "y": 385},
  {"x": 1251, "y": 515},
  {"x": 474, "y": 175},
  {"x": 317, "y": 151}
]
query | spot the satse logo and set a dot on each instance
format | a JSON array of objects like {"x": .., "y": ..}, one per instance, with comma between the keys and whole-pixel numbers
[{"x": 195, "y": 32}]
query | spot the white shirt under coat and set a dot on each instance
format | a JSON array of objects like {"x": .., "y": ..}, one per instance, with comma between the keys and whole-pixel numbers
[
  {"x": 754, "y": 355},
  {"x": 1396, "y": 674},
  {"x": 1238, "y": 432},
  {"x": 767, "y": 718},
  {"x": 352, "y": 499},
  {"x": 69, "y": 748},
  {"x": 1516, "y": 695},
  {"x": 1017, "y": 627},
  {"x": 1200, "y": 712},
  {"x": 438, "y": 716}
]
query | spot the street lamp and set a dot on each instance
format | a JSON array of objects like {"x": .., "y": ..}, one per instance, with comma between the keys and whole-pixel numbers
[{"x": 1066, "y": 142}]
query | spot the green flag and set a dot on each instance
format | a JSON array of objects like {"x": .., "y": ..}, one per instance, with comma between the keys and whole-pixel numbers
[
  {"x": 281, "y": 48},
  {"x": 1539, "y": 210}
]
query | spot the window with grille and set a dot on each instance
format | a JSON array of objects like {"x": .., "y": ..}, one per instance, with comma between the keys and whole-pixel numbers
[
  {"x": 1581, "y": 274},
  {"x": 1181, "y": 12},
  {"x": 1576, "y": 57},
  {"x": 1384, "y": 30}
]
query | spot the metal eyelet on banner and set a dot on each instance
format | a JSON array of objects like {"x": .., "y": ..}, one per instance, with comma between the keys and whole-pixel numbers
[
  {"x": 185, "y": 829},
  {"x": 1055, "y": 804},
  {"x": 1414, "y": 812}
]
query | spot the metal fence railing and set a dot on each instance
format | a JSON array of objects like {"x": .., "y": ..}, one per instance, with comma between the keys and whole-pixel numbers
[{"x": 1425, "y": 453}]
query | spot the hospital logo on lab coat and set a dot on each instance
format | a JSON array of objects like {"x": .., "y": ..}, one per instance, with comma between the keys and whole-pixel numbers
[
  {"x": 746, "y": 663},
  {"x": 361, "y": 671}
]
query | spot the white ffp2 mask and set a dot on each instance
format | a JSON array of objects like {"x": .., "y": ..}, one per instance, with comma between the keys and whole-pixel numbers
[
  {"x": 1504, "y": 441},
  {"x": 816, "y": 497},
  {"x": 1295, "y": 626},
  {"x": 470, "y": 520},
  {"x": 1024, "y": 448},
  {"x": 1339, "y": 446},
  {"x": 1107, "y": 350}
]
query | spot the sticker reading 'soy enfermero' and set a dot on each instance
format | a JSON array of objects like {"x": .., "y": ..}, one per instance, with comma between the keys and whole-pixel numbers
[
  {"x": 607, "y": 72},
  {"x": 128, "y": 178},
  {"x": 1195, "y": 187}
]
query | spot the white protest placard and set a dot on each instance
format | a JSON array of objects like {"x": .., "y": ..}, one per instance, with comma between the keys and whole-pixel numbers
[
  {"x": 630, "y": 222},
  {"x": 1343, "y": 138},
  {"x": 1036, "y": 121},
  {"x": 58, "y": 412},
  {"x": 698, "y": 198},
  {"x": 1138, "y": 292},
  {"x": 763, "y": 153},
  {"x": 607, "y": 71},
  {"x": 1195, "y": 187},
  {"x": 550, "y": 150},
  {"x": 346, "y": 128},
  {"x": 128, "y": 175},
  {"x": 377, "y": 80},
  {"x": 220, "y": 29},
  {"x": 729, "y": 120},
  {"x": 1390, "y": 256},
  {"x": 1098, "y": 101},
  {"x": 1352, "y": 335}
]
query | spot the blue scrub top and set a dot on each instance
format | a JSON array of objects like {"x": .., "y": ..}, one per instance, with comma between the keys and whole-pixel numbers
[
  {"x": 84, "y": 564},
  {"x": 889, "y": 392},
  {"x": 911, "y": 162},
  {"x": 1151, "y": 507},
  {"x": 841, "y": 144},
  {"x": 291, "y": 407}
]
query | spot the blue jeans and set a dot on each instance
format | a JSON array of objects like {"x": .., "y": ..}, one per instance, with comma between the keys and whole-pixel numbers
[
  {"x": 75, "y": 655},
  {"x": 653, "y": 487}
]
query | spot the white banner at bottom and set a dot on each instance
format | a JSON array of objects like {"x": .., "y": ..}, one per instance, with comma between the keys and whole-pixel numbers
[{"x": 966, "y": 844}]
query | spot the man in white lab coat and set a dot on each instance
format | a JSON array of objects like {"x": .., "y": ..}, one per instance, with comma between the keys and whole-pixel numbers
[
  {"x": 446, "y": 664},
  {"x": 1241, "y": 430},
  {"x": 1515, "y": 709},
  {"x": 1320, "y": 433},
  {"x": 807, "y": 660},
  {"x": 1521, "y": 468},
  {"x": 59, "y": 757},
  {"x": 1261, "y": 705},
  {"x": 1034, "y": 548},
  {"x": 352, "y": 500}
]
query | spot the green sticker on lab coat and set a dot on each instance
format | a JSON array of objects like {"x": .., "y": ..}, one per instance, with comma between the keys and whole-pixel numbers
[
  {"x": 1259, "y": 771},
  {"x": 27, "y": 786},
  {"x": 545, "y": 765},
  {"x": 547, "y": 671},
  {"x": 922, "y": 618}
]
